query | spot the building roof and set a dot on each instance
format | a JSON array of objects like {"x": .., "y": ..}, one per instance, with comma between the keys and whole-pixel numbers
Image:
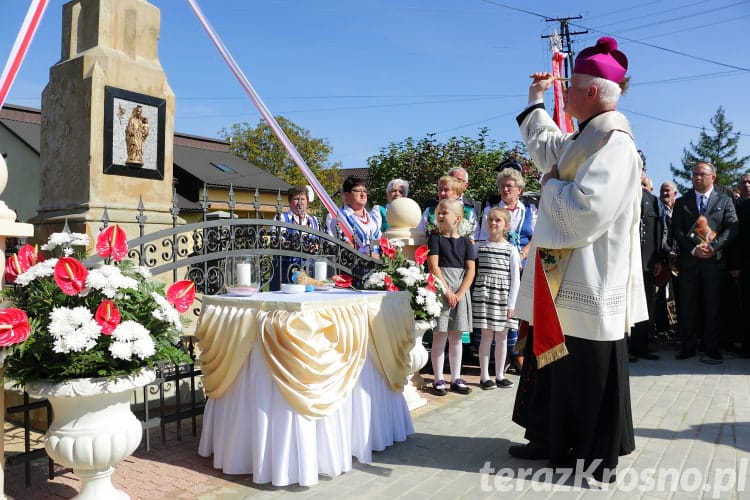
[
  {"x": 208, "y": 160},
  {"x": 25, "y": 123},
  {"x": 222, "y": 168},
  {"x": 363, "y": 172}
]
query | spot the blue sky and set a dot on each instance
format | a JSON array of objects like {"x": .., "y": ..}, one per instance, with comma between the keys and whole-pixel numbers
[{"x": 367, "y": 73}]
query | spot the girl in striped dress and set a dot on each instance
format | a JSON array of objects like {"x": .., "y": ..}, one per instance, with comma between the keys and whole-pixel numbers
[{"x": 494, "y": 297}]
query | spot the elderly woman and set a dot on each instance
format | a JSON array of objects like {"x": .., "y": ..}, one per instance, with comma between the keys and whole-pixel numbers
[
  {"x": 292, "y": 239},
  {"x": 510, "y": 185},
  {"x": 396, "y": 188},
  {"x": 365, "y": 223}
]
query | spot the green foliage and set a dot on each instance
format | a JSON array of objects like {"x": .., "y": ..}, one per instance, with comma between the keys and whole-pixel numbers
[
  {"x": 259, "y": 146},
  {"x": 422, "y": 162},
  {"x": 719, "y": 149}
]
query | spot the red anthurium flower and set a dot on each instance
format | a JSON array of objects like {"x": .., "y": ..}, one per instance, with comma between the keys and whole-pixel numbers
[
  {"x": 342, "y": 280},
  {"x": 181, "y": 295},
  {"x": 29, "y": 256},
  {"x": 420, "y": 254},
  {"x": 107, "y": 316},
  {"x": 112, "y": 242},
  {"x": 13, "y": 268},
  {"x": 389, "y": 286},
  {"x": 430, "y": 283},
  {"x": 14, "y": 326},
  {"x": 70, "y": 275},
  {"x": 386, "y": 248}
]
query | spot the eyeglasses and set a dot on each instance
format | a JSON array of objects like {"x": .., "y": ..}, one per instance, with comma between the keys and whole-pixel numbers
[
  {"x": 363, "y": 191},
  {"x": 701, "y": 174}
]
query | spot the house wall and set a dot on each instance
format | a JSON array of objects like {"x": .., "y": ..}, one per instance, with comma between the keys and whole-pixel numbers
[{"x": 22, "y": 192}]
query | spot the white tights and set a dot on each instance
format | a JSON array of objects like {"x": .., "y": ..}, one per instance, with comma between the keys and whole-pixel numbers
[
  {"x": 501, "y": 351},
  {"x": 455, "y": 351}
]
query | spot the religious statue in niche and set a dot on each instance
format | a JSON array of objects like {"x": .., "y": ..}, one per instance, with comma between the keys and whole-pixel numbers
[{"x": 136, "y": 133}]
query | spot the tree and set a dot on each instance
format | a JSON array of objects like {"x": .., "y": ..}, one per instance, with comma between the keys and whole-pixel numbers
[
  {"x": 719, "y": 149},
  {"x": 259, "y": 146},
  {"x": 422, "y": 162}
]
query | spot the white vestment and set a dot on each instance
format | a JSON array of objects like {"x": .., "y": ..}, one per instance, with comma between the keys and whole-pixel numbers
[{"x": 596, "y": 214}]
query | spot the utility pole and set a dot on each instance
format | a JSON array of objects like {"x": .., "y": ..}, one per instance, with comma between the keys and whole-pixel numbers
[{"x": 563, "y": 41}]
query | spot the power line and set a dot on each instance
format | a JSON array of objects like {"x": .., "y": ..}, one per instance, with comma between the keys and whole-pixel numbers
[{"x": 673, "y": 122}]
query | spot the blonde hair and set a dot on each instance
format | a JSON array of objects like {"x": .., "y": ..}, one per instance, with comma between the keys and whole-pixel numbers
[
  {"x": 457, "y": 186},
  {"x": 454, "y": 206},
  {"x": 504, "y": 214}
]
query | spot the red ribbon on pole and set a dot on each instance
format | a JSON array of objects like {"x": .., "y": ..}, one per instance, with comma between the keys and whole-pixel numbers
[
  {"x": 562, "y": 120},
  {"x": 21, "y": 46},
  {"x": 273, "y": 124}
]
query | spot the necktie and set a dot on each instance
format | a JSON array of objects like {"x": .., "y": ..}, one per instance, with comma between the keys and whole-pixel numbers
[{"x": 702, "y": 205}]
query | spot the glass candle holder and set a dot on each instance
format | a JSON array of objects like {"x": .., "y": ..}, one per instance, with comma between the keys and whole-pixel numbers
[{"x": 242, "y": 274}]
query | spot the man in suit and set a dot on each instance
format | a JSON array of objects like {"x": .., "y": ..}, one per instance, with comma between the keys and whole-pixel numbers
[
  {"x": 668, "y": 287},
  {"x": 652, "y": 260},
  {"x": 741, "y": 263},
  {"x": 701, "y": 261}
]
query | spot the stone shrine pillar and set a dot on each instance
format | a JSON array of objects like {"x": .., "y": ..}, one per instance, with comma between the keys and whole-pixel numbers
[
  {"x": 403, "y": 216},
  {"x": 107, "y": 122},
  {"x": 8, "y": 228}
]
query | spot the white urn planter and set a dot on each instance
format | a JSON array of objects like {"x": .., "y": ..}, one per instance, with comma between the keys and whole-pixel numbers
[
  {"x": 92, "y": 428},
  {"x": 418, "y": 357}
]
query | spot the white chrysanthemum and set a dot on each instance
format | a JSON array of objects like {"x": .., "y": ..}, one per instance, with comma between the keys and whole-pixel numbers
[
  {"x": 464, "y": 228},
  {"x": 166, "y": 312},
  {"x": 73, "y": 330},
  {"x": 131, "y": 338},
  {"x": 121, "y": 350},
  {"x": 410, "y": 275},
  {"x": 376, "y": 280},
  {"x": 144, "y": 347},
  {"x": 109, "y": 279},
  {"x": 397, "y": 243},
  {"x": 143, "y": 271},
  {"x": 39, "y": 270},
  {"x": 65, "y": 240}
]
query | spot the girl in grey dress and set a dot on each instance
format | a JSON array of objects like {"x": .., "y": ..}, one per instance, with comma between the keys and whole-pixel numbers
[{"x": 451, "y": 260}]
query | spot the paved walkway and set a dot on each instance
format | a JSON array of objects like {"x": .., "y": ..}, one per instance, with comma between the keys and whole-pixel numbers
[{"x": 692, "y": 425}]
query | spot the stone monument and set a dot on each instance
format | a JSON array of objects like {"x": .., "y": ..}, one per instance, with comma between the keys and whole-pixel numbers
[{"x": 107, "y": 122}]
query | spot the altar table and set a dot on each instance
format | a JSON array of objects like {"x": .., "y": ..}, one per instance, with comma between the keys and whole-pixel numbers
[{"x": 297, "y": 384}]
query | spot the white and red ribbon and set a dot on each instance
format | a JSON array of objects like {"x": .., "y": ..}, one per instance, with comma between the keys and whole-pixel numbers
[
  {"x": 21, "y": 46},
  {"x": 561, "y": 118},
  {"x": 273, "y": 124}
]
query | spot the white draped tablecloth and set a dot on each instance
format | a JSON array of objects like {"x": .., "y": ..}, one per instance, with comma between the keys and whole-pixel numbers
[{"x": 298, "y": 384}]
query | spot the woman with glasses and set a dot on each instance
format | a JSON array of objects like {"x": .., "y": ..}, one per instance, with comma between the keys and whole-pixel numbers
[
  {"x": 365, "y": 223},
  {"x": 396, "y": 188}
]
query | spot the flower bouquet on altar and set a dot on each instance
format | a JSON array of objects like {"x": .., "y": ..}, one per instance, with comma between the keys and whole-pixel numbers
[
  {"x": 70, "y": 322},
  {"x": 397, "y": 273}
]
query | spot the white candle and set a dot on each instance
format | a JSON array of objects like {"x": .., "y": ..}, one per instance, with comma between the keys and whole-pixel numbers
[
  {"x": 321, "y": 271},
  {"x": 244, "y": 275}
]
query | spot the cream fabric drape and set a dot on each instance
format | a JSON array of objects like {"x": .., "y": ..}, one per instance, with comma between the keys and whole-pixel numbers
[{"x": 314, "y": 344}]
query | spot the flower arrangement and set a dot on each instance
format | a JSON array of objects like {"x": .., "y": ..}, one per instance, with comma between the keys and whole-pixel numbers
[
  {"x": 397, "y": 273},
  {"x": 68, "y": 321}
]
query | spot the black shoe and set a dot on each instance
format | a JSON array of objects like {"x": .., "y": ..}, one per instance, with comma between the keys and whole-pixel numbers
[
  {"x": 632, "y": 358},
  {"x": 715, "y": 355},
  {"x": 529, "y": 451},
  {"x": 460, "y": 386},
  {"x": 648, "y": 355},
  {"x": 439, "y": 388},
  {"x": 685, "y": 355},
  {"x": 487, "y": 384},
  {"x": 503, "y": 383}
]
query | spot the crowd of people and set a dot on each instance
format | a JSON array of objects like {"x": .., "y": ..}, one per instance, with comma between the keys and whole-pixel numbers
[{"x": 618, "y": 262}]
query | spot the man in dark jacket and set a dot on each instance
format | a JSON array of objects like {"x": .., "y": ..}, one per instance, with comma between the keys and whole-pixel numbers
[
  {"x": 704, "y": 222},
  {"x": 653, "y": 260}
]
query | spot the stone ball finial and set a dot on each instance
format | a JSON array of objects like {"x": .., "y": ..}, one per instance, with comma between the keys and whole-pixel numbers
[{"x": 403, "y": 213}]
